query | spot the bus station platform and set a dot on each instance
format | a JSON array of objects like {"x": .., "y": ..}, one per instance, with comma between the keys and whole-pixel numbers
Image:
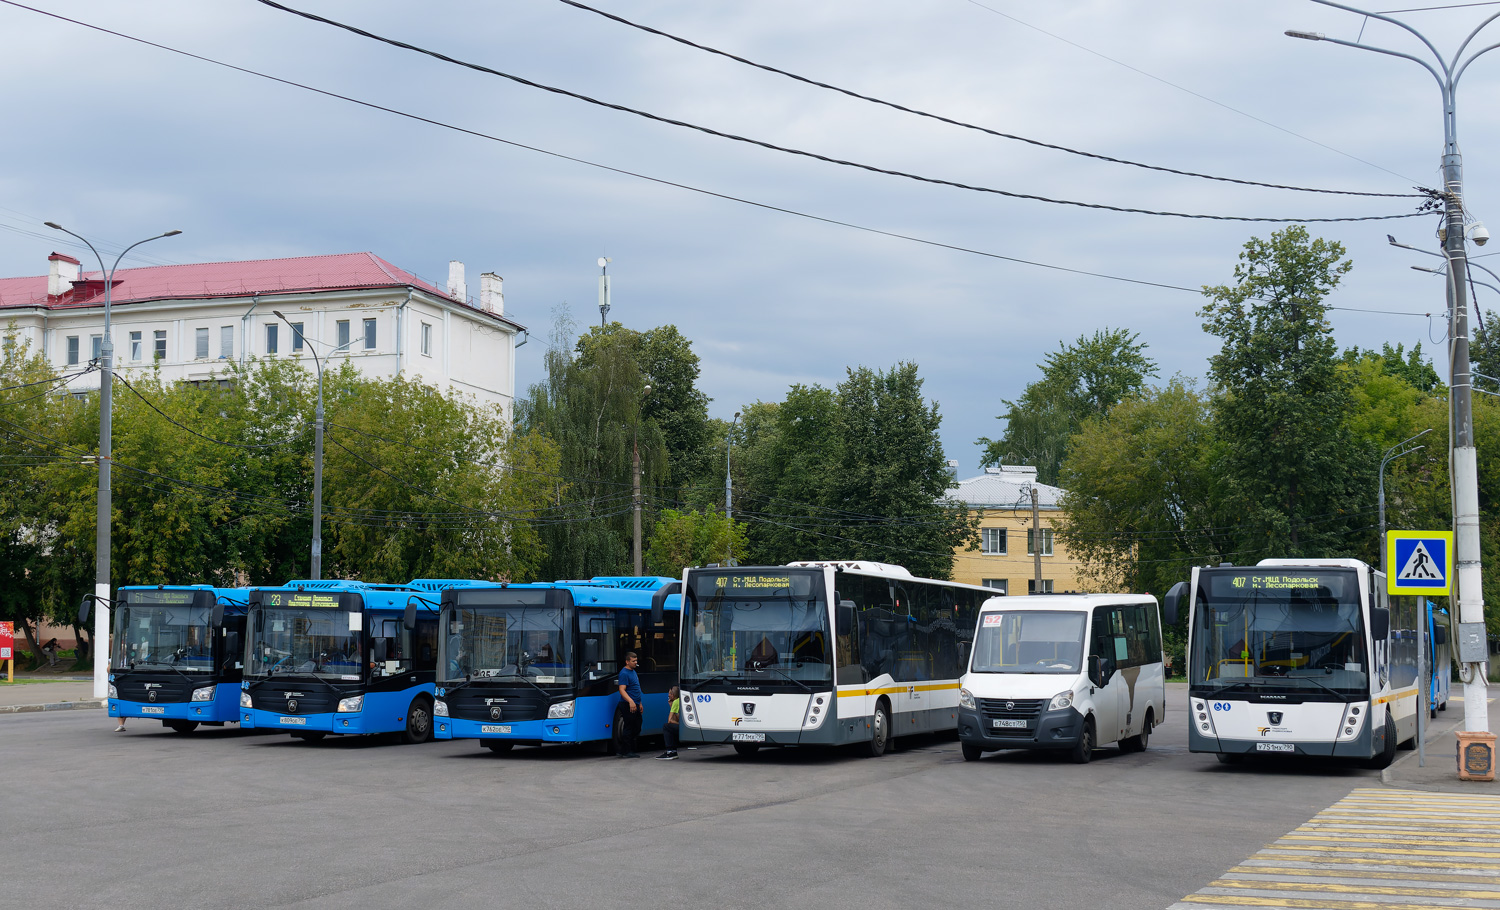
[
  {"x": 47, "y": 694},
  {"x": 1440, "y": 772}
]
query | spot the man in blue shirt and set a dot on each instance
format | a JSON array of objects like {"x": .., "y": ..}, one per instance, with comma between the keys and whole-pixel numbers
[{"x": 635, "y": 707}]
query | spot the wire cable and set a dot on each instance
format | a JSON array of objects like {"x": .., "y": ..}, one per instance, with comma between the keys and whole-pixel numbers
[
  {"x": 844, "y": 162},
  {"x": 965, "y": 125},
  {"x": 232, "y": 445}
]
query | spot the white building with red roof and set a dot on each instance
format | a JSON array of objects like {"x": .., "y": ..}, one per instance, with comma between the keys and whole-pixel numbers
[{"x": 191, "y": 320}]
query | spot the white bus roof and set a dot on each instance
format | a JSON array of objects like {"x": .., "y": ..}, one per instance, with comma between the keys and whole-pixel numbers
[
  {"x": 871, "y": 568},
  {"x": 1315, "y": 563},
  {"x": 1064, "y": 602}
]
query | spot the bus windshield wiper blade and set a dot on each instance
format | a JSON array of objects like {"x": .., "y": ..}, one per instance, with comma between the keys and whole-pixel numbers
[
  {"x": 524, "y": 680},
  {"x": 789, "y": 678},
  {"x": 724, "y": 676}
]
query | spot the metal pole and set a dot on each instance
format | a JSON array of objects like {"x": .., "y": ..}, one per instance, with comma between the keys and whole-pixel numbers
[
  {"x": 1036, "y": 539},
  {"x": 635, "y": 452},
  {"x": 105, "y": 501},
  {"x": 1424, "y": 684},
  {"x": 1394, "y": 452},
  {"x": 317, "y": 508},
  {"x": 729, "y": 491}
]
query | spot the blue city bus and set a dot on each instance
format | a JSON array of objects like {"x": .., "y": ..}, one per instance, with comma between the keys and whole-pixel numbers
[
  {"x": 535, "y": 664},
  {"x": 339, "y": 657},
  {"x": 177, "y": 655}
]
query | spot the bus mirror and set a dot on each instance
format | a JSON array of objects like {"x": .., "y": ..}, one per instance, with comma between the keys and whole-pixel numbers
[
  {"x": 1439, "y": 635},
  {"x": 379, "y": 650},
  {"x": 409, "y": 618},
  {"x": 216, "y": 616},
  {"x": 1096, "y": 671},
  {"x": 659, "y": 602},
  {"x": 965, "y": 648},
  {"x": 843, "y": 618},
  {"x": 83, "y": 609},
  {"x": 1174, "y": 602},
  {"x": 1380, "y": 623},
  {"x": 591, "y": 650}
]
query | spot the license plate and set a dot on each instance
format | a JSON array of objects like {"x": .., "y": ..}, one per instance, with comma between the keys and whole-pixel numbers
[
  {"x": 494, "y": 728},
  {"x": 298, "y": 721},
  {"x": 153, "y": 710},
  {"x": 1010, "y": 723},
  {"x": 748, "y": 737},
  {"x": 1275, "y": 747}
]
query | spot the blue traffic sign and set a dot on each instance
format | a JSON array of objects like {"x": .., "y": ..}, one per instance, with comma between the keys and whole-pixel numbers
[{"x": 1419, "y": 562}]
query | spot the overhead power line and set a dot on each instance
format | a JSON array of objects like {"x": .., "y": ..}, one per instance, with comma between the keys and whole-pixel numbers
[
  {"x": 761, "y": 143},
  {"x": 233, "y": 445},
  {"x": 964, "y": 124},
  {"x": 625, "y": 172}
]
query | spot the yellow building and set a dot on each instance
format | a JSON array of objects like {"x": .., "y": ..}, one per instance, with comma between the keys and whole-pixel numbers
[{"x": 1005, "y": 559}]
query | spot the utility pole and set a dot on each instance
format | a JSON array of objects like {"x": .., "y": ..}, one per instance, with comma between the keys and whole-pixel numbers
[
  {"x": 729, "y": 491},
  {"x": 635, "y": 458},
  {"x": 1036, "y": 538}
]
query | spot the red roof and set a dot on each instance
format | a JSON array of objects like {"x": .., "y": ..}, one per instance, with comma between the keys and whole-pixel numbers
[{"x": 303, "y": 274}]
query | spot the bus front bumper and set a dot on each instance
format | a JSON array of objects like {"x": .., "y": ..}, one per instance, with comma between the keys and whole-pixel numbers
[
  {"x": 1053, "y": 730},
  {"x": 203, "y": 712},
  {"x": 525, "y": 732},
  {"x": 1359, "y": 746},
  {"x": 257, "y": 719}
]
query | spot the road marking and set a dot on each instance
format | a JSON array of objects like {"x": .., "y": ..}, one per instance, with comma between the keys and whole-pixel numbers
[{"x": 1373, "y": 850}]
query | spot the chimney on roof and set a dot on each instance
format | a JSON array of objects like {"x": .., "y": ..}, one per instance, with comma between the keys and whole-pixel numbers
[
  {"x": 457, "y": 289},
  {"x": 492, "y": 293},
  {"x": 62, "y": 271}
]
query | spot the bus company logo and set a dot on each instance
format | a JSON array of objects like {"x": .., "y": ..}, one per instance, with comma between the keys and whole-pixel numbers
[
  {"x": 494, "y": 714},
  {"x": 151, "y": 695},
  {"x": 295, "y": 695},
  {"x": 736, "y": 720},
  {"x": 1274, "y": 717},
  {"x": 1010, "y": 706},
  {"x": 497, "y": 701},
  {"x": 153, "y": 685},
  {"x": 1264, "y": 731},
  {"x": 291, "y": 706},
  {"x": 748, "y": 707}
]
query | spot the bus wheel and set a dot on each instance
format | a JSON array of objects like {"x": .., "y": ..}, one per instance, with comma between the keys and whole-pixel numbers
[
  {"x": 971, "y": 752},
  {"x": 1138, "y": 743},
  {"x": 616, "y": 733},
  {"x": 880, "y": 731},
  {"x": 1083, "y": 750},
  {"x": 497, "y": 745},
  {"x": 747, "y": 749},
  {"x": 182, "y": 726},
  {"x": 1388, "y": 754},
  {"x": 419, "y": 720}
]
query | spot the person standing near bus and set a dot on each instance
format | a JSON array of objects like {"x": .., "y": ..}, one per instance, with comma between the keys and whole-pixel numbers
[
  {"x": 630, "y": 693},
  {"x": 669, "y": 730}
]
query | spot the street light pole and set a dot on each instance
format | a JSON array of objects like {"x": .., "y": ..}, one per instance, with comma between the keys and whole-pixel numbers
[
  {"x": 1465, "y": 461},
  {"x": 106, "y": 451},
  {"x": 317, "y": 513},
  {"x": 1390, "y": 454},
  {"x": 635, "y": 499},
  {"x": 729, "y": 491}
]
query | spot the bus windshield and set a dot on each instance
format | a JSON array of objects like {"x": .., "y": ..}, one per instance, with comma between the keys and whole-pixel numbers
[
  {"x": 760, "y": 624},
  {"x": 533, "y": 642},
  {"x": 318, "y": 641},
  {"x": 1295, "y": 629},
  {"x": 159, "y": 635},
  {"x": 1029, "y": 641}
]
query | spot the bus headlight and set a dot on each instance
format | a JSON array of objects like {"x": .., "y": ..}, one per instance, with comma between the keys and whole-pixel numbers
[
  {"x": 439, "y": 708},
  {"x": 204, "y": 694},
  {"x": 1202, "y": 717},
  {"x": 245, "y": 699},
  {"x": 562, "y": 709},
  {"x": 688, "y": 716},
  {"x": 965, "y": 698},
  {"x": 1354, "y": 720},
  {"x": 351, "y": 705},
  {"x": 817, "y": 709},
  {"x": 1061, "y": 700},
  {"x": 113, "y": 693}
]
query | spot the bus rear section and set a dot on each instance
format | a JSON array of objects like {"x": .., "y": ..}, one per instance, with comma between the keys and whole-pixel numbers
[
  {"x": 327, "y": 657},
  {"x": 177, "y": 655},
  {"x": 1299, "y": 657},
  {"x": 820, "y": 654},
  {"x": 538, "y": 664}
]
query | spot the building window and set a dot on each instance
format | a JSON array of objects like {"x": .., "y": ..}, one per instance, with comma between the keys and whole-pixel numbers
[
  {"x": 296, "y": 337},
  {"x": 135, "y": 345},
  {"x": 161, "y": 344},
  {"x": 369, "y": 334},
  {"x": 72, "y": 350},
  {"x": 200, "y": 347},
  {"x": 271, "y": 338},
  {"x": 96, "y": 346},
  {"x": 343, "y": 336},
  {"x": 1001, "y": 585},
  {"x": 427, "y": 339},
  {"x": 1046, "y": 542},
  {"x": 1031, "y": 586},
  {"x": 992, "y": 541},
  {"x": 226, "y": 342}
]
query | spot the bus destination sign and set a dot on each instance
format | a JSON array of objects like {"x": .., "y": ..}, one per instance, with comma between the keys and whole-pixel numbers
[
  {"x": 1275, "y": 582},
  {"x": 302, "y": 600},
  {"x": 159, "y": 597},
  {"x": 752, "y": 583}
]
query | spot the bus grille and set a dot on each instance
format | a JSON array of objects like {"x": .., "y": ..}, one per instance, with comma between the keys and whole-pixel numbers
[
  {"x": 1027, "y": 709},
  {"x": 168, "y": 689},
  {"x": 482, "y": 703}
]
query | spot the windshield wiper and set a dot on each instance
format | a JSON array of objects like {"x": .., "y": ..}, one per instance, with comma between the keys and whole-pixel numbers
[
  {"x": 724, "y": 676},
  {"x": 524, "y": 680},
  {"x": 805, "y": 686}
]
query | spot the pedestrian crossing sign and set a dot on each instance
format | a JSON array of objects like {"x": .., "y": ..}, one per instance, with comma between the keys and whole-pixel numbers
[{"x": 1419, "y": 562}]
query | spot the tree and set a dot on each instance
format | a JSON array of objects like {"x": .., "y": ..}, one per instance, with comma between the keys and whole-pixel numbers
[
  {"x": 1079, "y": 381},
  {"x": 1294, "y": 472},
  {"x": 682, "y": 539}
]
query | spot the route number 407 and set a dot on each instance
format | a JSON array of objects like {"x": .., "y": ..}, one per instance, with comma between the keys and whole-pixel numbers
[{"x": 1221, "y": 706}]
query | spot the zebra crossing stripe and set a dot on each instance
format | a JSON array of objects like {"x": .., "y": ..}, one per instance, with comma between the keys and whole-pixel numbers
[{"x": 1373, "y": 850}]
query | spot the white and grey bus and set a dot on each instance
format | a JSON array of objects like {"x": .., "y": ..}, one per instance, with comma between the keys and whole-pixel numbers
[
  {"x": 1299, "y": 657},
  {"x": 821, "y": 653}
]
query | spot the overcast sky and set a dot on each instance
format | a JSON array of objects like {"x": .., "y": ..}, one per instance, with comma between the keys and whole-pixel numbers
[{"x": 118, "y": 141}]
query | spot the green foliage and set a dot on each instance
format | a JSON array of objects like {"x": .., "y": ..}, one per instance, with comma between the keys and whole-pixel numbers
[
  {"x": 1413, "y": 369},
  {"x": 1079, "y": 381},
  {"x": 1484, "y": 351},
  {"x": 682, "y": 539},
  {"x": 1294, "y": 471}
]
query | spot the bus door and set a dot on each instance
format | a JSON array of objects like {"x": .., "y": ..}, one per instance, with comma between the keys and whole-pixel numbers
[{"x": 1111, "y": 701}]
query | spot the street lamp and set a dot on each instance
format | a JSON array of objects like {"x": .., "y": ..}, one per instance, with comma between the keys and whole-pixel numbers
[
  {"x": 1390, "y": 454},
  {"x": 1465, "y": 476},
  {"x": 635, "y": 460},
  {"x": 729, "y": 491},
  {"x": 317, "y": 516},
  {"x": 105, "y": 500}
]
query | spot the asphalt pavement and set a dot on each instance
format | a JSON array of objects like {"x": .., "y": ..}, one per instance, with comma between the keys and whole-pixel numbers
[{"x": 227, "y": 818}]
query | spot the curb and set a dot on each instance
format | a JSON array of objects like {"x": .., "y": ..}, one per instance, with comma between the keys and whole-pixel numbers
[
  {"x": 1386, "y": 772},
  {"x": 56, "y": 706}
]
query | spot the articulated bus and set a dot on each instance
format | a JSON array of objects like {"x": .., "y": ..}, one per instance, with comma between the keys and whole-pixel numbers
[
  {"x": 1299, "y": 657},
  {"x": 821, "y": 653},
  {"x": 177, "y": 655},
  {"x": 340, "y": 657},
  {"x": 535, "y": 664}
]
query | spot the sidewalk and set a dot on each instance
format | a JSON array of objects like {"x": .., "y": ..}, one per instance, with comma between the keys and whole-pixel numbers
[
  {"x": 52, "y": 695},
  {"x": 1441, "y": 770}
]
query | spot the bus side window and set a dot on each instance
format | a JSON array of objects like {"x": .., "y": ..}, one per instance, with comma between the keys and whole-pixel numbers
[{"x": 426, "y": 644}]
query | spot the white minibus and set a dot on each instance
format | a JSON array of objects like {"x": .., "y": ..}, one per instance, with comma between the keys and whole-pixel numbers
[{"x": 1069, "y": 672}]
